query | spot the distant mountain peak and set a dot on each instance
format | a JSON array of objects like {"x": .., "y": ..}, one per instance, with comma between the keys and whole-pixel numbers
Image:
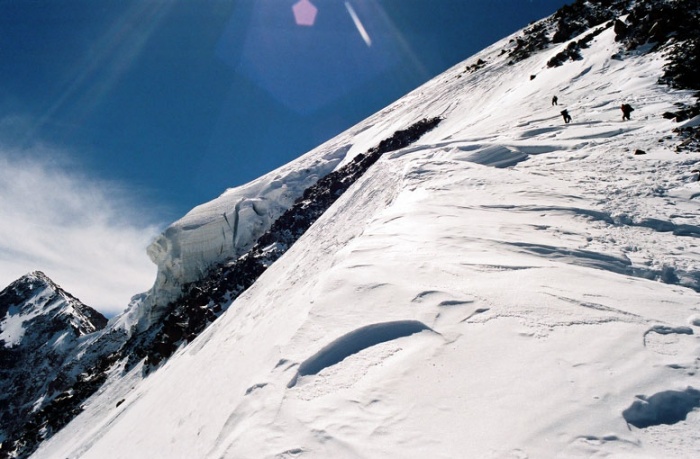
[
  {"x": 33, "y": 280},
  {"x": 41, "y": 326},
  {"x": 36, "y": 294}
]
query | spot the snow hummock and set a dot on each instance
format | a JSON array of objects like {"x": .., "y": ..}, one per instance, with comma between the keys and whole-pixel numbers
[{"x": 508, "y": 286}]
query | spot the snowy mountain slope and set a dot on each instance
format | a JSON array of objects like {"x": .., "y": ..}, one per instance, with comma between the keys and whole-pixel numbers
[
  {"x": 508, "y": 286},
  {"x": 117, "y": 348},
  {"x": 229, "y": 226}
]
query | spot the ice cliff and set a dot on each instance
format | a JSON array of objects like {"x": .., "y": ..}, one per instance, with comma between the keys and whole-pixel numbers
[{"x": 228, "y": 226}]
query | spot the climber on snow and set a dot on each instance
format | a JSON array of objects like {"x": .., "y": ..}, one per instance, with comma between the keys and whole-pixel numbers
[
  {"x": 626, "y": 111},
  {"x": 567, "y": 117},
  {"x": 555, "y": 99}
]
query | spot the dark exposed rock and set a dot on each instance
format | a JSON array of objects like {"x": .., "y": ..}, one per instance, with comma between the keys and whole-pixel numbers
[
  {"x": 59, "y": 411},
  {"x": 689, "y": 135},
  {"x": 478, "y": 65},
  {"x": 620, "y": 29},
  {"x": 566, "y": 23},
  {"x": 534, "y": 39},
  {"x": 573, "y": 49},
  {"x": 667, "y": 407},
  {"x": 574, "y": 19},
  {"x": 572, "y": 52},
  {"x": 690, "y": 139},
  {"x": 656, "y": 22}
]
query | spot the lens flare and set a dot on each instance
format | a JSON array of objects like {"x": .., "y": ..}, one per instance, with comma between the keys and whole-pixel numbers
[
  {"x": 360, "y": 28},
  {"x": 304, "y": 13}
]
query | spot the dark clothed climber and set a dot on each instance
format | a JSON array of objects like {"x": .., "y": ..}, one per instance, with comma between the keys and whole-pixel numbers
[
  {"x": 626, "y": 111},
  {"x": 567, "y": 117}
]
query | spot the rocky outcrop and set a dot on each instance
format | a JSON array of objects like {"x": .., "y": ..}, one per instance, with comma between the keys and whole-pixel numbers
[
  {"x": 572, "y": 52},
  {"x": 671, "y": 27}
]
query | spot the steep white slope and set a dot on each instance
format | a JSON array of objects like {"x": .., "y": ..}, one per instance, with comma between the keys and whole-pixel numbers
[{"x": 509, "y": 286}]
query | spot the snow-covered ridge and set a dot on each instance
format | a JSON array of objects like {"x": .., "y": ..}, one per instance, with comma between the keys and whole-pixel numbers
[
  {"x": 227, "y": 227},
  {"x": 204, "y": 301}
]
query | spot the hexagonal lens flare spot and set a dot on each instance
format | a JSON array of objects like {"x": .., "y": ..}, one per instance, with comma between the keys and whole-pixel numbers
[
  {"x": 305, "y": 68},
  {"x": 304, "y": 13}
]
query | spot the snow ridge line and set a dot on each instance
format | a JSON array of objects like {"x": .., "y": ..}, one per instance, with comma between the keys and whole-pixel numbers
[{"x": 202, "y": 301}]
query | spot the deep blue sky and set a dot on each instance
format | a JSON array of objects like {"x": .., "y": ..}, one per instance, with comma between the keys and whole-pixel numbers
[{"x": 181, "y": 100}]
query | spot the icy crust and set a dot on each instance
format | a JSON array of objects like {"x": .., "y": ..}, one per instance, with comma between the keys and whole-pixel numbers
[{"x": 228, "y": 226}]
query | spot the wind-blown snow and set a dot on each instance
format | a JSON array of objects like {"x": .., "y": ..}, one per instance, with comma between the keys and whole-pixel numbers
[{"x": 508, "y": 286}]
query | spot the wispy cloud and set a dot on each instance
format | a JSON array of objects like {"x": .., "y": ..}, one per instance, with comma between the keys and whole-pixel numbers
[{"x": 88, "y": 235}]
